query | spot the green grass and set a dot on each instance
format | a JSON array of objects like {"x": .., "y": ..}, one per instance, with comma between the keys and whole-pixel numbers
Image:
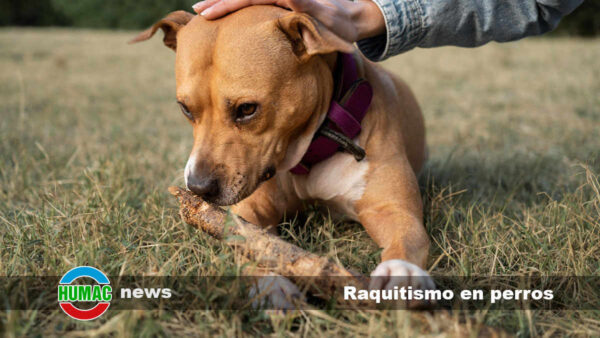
[{"x": 91, "y": 137}]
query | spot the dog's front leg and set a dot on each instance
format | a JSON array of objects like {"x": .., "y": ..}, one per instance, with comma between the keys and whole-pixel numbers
[
  {"x": 265, "y": 207},
  {"x": 391, "y": 211}
]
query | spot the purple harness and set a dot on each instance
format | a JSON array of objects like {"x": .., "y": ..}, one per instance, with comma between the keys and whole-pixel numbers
[{"x": 351, "y": 100}]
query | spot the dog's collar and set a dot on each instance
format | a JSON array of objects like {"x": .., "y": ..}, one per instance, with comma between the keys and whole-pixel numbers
[{"x": 351, "y": 99}]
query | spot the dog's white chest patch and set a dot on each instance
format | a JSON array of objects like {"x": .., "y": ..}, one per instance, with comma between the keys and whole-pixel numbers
[{"x": 339, "y": 181}]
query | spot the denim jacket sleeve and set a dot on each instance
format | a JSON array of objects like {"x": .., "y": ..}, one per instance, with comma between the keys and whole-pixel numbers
[{"x": 465, "y": 23}]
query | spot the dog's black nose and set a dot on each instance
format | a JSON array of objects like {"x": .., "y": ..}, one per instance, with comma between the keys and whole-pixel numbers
[{"x": 207, "y": 187}]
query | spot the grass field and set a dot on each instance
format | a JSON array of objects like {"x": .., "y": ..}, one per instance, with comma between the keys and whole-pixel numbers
[{"x": 91, "y": 137}]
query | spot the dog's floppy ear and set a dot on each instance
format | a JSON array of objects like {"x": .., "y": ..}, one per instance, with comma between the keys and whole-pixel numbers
[
  {"x": 170, "y": 25},
  {"x": 309, "y": 37}
]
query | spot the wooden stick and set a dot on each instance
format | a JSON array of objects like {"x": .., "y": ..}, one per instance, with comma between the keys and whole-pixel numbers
[{"x": 267, "y": 250}]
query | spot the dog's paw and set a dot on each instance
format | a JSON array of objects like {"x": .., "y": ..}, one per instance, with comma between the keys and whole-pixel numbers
[
  {"x": 397, "y": 272},
  {"x": 275, "y": 292},
  {"x": 400, "y": 273}
]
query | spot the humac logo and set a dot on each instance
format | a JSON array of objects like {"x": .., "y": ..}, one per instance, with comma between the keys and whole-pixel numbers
[{"x": 100, "y": 293}]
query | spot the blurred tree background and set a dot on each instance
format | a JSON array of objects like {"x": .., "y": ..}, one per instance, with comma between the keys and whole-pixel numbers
[
  {"x": 123, "y": 14},
  {"x": 137, "y": 14}
]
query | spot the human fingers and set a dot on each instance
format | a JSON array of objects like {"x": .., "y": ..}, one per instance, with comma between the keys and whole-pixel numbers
[
  {"x": 202, "y": 5},
  {"x": 219, "y": 8}
]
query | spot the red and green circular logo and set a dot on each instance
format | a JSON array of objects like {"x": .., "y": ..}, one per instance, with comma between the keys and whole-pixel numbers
[{"x": 99, "y": 293}]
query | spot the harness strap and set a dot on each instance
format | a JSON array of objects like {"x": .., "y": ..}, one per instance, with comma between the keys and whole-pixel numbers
[{"x": 352, "y": 98}]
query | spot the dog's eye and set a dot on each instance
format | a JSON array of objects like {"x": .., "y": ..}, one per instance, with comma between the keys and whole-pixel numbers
[
  {"x": 185, "y": 111},
  {"x": 245, "y": 111}
]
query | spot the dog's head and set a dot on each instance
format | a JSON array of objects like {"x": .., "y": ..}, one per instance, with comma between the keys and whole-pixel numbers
[{"x": 255, "y": 86}]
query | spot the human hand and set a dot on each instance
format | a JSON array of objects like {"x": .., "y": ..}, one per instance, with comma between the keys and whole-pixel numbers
[{"x": 351, "y": 21}]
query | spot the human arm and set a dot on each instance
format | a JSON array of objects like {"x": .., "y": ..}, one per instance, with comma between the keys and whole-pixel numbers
[
  {"x": 383, "y": 28},
  {"x": 465, "y": 23}
]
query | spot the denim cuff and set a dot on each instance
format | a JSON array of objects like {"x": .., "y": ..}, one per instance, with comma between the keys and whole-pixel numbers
[{"x": 406, "y": 23}]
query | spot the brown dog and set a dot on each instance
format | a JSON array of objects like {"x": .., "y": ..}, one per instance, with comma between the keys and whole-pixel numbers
[{"x": 256, "y": 85}]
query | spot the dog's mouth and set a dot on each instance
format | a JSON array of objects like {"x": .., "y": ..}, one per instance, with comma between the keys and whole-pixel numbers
[{"x": 239, "y": 189}]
